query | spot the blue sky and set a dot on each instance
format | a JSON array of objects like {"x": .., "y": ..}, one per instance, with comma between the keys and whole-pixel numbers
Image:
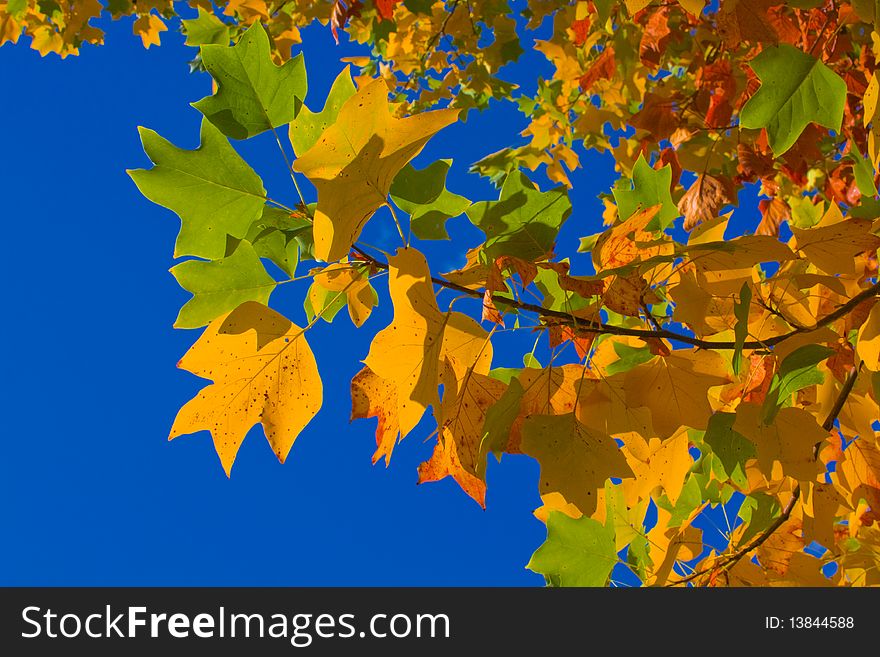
[{"x": 92, "y": 492}]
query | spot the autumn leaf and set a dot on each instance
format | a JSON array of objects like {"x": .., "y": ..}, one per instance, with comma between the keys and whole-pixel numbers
[
  {"x": 355, "y": 161},
  {"x": 348, "y": 280},
  {"x": 262, "y": 371},
  {"x": 148, "y": 28},
  {"x": 575, "y": 461},
  {"x": 674, "y": 389},
  {"x": 307, "y": 127},
  {"x": 788, "y": 439},
  {"x": 704, "y": 200},
  {"x": 372, "y": 396}
]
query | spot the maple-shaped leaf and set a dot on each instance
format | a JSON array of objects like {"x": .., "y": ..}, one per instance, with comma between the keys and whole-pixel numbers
[
  {"x": 822, "y": 506},
  {"x": 577, "y": 552},
  {"x": 658, "y": 464},
  {"x": 462, "y": 414},
  {"x": 219, "y": 286},
  {"x": 575, "y": 460},
  {"x": 205, "y": 29},
  {"x": 732, "y": 448},
  {"x": 355, "y": 160},
  {"x": 213, "y": 191},
  {"x": 444, "y": 463},
  {"x": 650, "y": 187},
  {"x": 411, "y": 351},
  {"x": 148, "y": 28},
  {"x": 796, "y": 89},
  {"x": 675, "y": 388},
  {"x": 859, "y": 473},
  {"x": 422, "y": 194},
  {"x": 263, "y": 370},
  {"x": 630, "y": 241},
  {"x": 307, "y": 127},
  {"x": 253, "y": 94},
  {"x": 780, "y": 548},
  {"x": 372, "y": 396},
  {"x": 524, "y": 221},
  {"x": 789, "y": 439}
]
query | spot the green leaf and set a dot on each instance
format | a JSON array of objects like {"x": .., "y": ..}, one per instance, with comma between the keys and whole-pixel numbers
[
  {"x": 422, "y": 194},
  {"x": 796, "y": 89},
  {"x": 555, "y": 298},
  {"x": 863, "y": 171},
  {"x": 524, "y": 221},
  {"x": 16, "y": 8},
  {"x": 797, "y": 371},
  {"x": 213, "y": 191},
  {"x": 688, "y": 500},
  {"x": 577, "y": 552},
  {"x": 505, "y": 374},
  {"x": 219, "y": 286},
  {"x": 331, "y": 302},
  {"x": 741, "y": 328},
  {"x": 732, "y": 448},
  {"x": 649, "y": 187},
  {"x": 275, "y": 236},
  {"x": 805, "y": 213},
  {"x": 306, "y": 128},
  {"x": 627, "y": 358},
  {"x": 253, "y": 95},
  {"x": 758, "y": 510},
  {"x": 206, "y": 29}
]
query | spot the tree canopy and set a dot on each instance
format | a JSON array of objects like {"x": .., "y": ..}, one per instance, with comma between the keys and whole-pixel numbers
[{"x": 694, "y": 365}]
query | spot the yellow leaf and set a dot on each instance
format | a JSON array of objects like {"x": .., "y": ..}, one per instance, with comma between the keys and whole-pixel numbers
[
  {"x": 355, "y": 160},
  {"x": 832, "y": 248},
  {"x": 693, "y": 7},
  {"x": 777, "y": 551},
  {"x": 635, "y": 6},
  {"x": 868, "y": 346},
  {"x": 658, "y": 464},
  {"x": 675, "y": 388},
  {"x": 556, "y": 502},
  {"x": 262, "y": 371},
  {"x": 410, "y": 351},
  {"x": 463, "y": 413},
  {"x": 822, "y": 505},
  {"x": 444, "y": 463},
  {"x": 148, "y": 29},
  {"x": 343, "y": 277},
  {"x": 869, "y": 100},
  {"x": 575, "y": 461},
  {"x": 372, "y": 396},
  {"x": 788, "y": 439}
]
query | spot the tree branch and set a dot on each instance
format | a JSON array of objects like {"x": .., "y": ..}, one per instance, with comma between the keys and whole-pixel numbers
[
  {"x": 585, "y": 326},
  {"x": 730, "y": 561}
]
